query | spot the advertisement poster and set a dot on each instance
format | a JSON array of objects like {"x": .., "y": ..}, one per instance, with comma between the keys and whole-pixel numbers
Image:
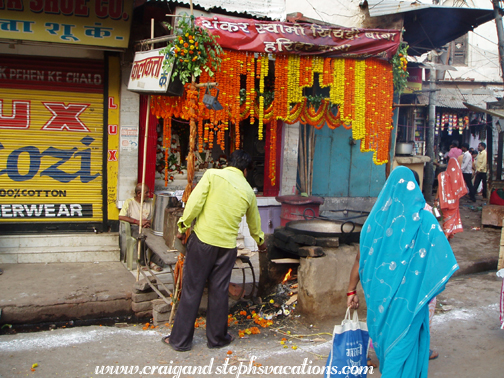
[{"x": 51, "y": 140}]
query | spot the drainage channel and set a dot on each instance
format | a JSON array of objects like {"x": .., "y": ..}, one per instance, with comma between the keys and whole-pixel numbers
[{"x": 118, "y": 321}]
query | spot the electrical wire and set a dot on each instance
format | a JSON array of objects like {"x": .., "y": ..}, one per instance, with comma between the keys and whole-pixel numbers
[{"x": 479, "y": 35}]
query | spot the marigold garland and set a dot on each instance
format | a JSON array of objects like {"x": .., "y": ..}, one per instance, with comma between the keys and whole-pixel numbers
[
  {"x": 360, "y": 98},
  {"x": 359, "y": 122},
  {"x": 295, "y": 90},
  {"x": 272, "y": 152}
]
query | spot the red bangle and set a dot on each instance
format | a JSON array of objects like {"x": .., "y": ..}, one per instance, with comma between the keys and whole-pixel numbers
[{"x": 351, "y": 293}]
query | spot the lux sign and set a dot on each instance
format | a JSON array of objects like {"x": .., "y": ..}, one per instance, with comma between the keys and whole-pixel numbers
[{"x": 64, "y": 117}]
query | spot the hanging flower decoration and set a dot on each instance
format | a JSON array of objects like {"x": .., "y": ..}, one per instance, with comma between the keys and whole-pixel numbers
[
  {"x": 360, "y": 99},
  {"x": 192, "y": 52}
]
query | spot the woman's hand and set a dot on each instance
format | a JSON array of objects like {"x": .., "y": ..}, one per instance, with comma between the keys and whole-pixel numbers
[{"x": 353, "y": 301}]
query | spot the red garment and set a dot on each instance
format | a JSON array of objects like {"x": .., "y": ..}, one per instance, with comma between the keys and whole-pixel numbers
[
  {"x": 451, "y": 188},
  {"x": 495, "y": 199}
]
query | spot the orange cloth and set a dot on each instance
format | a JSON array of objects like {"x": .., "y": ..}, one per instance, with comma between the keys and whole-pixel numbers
[{"x": 451, "y": 188}]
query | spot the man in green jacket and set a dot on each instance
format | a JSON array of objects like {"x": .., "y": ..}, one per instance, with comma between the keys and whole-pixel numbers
[{"x": 218, "y": 203}]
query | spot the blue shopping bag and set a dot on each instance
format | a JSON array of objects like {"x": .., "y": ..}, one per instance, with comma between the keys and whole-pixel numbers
[{"x": 349, "y": 349}]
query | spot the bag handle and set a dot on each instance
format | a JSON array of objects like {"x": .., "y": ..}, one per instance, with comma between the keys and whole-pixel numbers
[{"x": 354, "y": 318}]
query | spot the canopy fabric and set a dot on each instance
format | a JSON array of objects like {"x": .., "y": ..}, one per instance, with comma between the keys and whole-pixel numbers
[{"x": 429, "y": 26}]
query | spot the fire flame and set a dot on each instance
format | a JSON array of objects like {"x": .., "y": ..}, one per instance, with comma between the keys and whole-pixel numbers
[{"x": 287, "y": 276}]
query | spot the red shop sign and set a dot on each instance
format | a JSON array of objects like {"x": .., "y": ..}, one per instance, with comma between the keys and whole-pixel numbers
[
  {"x": 303, "y": 39},
  {"x": 49, "y": 73}
]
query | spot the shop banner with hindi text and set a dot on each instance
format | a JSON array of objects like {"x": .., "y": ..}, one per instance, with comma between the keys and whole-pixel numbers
[
  {"x": 274, "y": 37},
  {"x": 103, "y": 23}
]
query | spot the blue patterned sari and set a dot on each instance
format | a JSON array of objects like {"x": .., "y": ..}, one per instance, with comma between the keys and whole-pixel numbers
[{"x": 405, "y": 261}]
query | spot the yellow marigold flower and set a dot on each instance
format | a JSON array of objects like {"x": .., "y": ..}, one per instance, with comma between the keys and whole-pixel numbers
[{"x": 272, "y": 301}]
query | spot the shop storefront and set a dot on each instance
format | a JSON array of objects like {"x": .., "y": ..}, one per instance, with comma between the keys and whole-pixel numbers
[{"x": 59, "y": 114}]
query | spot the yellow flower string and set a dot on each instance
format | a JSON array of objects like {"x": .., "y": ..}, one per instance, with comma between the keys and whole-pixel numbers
[
  {"x": 295, "y": 91},
  {"x": 337, "y": 90},
  {"x": 359, "y": 123}
]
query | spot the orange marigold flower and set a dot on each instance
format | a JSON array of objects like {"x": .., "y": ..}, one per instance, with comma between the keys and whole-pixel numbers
[
  {"x": 229, "y": 352},
  {"x": 186, "y": 45}
]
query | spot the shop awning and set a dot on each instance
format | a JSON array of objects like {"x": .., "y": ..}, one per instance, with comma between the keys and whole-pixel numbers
[
  {"x": 456, "y": 98},
  {"x": 273, "y": 9},
  {"x": 492, "y": 112},
  {"x": 429, "y": 26}
]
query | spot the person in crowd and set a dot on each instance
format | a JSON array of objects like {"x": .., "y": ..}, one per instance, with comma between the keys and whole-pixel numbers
[
  {"x": 130, "y": 212},
  {"x": 481, "y": 169},
  {"x": 467, "y": 171},
  {"x": 451, "y": 188},
  {"x": 474, "y": 155},
  {"x": 404, "y": 262},
  {"x": 455, "y": 151},
  {"x": 218, "y": 203}
]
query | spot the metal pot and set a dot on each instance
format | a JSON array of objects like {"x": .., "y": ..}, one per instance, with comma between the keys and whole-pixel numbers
[
  {"x": 347, "y": 231},
  {"x": 404, "y": 148}
]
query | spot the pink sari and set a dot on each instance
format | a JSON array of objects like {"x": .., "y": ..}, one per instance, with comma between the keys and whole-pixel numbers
[{"x": 451, "y": 188}]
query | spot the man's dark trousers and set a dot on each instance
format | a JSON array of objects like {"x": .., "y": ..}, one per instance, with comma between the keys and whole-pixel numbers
[
  {"x": 202, "y": 262},
  {"x": 481, "y": 176},
  {"x": 470, "y": 186}
]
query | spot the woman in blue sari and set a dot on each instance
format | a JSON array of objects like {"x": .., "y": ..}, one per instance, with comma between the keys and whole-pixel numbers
[{"x": 405, "y": 261}]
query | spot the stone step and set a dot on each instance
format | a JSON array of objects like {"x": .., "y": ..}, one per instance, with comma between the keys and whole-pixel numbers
[
  {"x": 74, "y": 239},
  {"x": 51, "y": 248},
  {"x": 64, "y": 257},
  {"x": 60, "y": 249}
]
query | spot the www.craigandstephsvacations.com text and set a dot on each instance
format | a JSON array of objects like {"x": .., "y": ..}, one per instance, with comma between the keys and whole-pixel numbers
[{"x": 247, "y": 368}]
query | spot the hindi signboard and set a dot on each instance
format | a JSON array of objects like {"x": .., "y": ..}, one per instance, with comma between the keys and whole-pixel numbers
[
  {"x": 103, "y": 23},
  {"x": 272, "y": 37},
  {"x": 147, "y": 75}
]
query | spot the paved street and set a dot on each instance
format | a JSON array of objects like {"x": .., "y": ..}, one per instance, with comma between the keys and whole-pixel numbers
[{"x": 465, "y": 332}]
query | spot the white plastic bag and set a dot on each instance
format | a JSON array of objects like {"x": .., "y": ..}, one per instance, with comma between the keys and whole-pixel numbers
[{"x": 349, "y": 349}]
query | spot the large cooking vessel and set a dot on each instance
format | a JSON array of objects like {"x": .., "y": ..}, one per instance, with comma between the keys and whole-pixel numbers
[{"x": 346, "y": 231}]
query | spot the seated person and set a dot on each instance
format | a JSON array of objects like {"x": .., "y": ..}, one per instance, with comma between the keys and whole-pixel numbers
[{"x": 130, "y": 213}]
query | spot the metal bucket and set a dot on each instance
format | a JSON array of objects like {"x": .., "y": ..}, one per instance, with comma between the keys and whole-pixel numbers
[{"x": 163, "y": 199}]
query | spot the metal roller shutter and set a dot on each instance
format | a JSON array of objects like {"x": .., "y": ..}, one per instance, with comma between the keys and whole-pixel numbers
[{"x": 51, "y": 142}]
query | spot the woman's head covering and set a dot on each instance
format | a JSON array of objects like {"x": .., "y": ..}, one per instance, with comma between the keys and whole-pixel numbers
[{"x": 405, "y": 260}]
